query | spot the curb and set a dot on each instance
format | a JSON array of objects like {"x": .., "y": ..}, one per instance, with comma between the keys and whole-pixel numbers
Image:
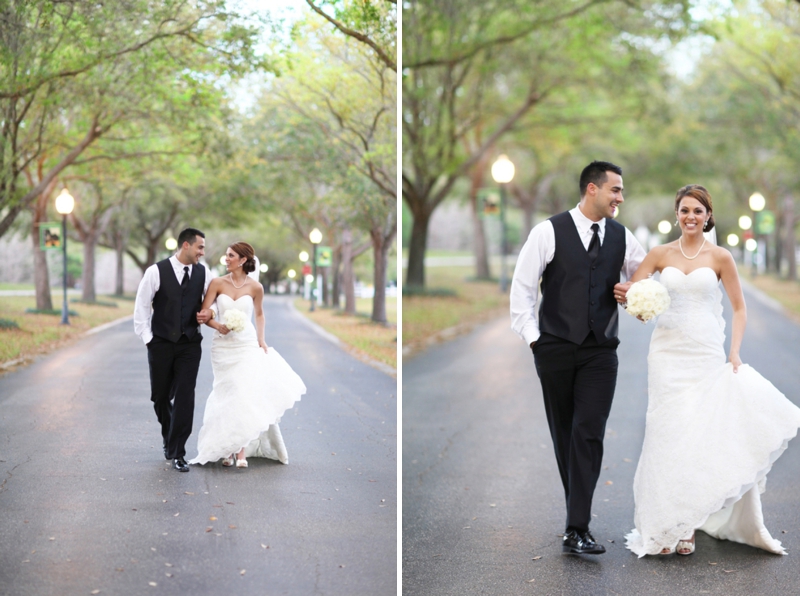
[{"x": 105, "y": 326}]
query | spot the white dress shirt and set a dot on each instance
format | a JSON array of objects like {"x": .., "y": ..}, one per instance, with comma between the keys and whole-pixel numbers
[
  {"x": 538, "y": 251},
  {"x": 151, "y": 282}
]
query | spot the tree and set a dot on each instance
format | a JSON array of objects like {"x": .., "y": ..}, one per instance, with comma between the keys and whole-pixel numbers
[{"x": 477, "y": 65}]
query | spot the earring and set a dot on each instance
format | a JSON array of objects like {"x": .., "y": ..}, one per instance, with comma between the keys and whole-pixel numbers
[
  {"x": 705, "y": 225},
  {"x": 676, "y": 223}
]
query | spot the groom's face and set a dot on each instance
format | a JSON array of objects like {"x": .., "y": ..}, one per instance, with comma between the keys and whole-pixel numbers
[
  {"x": 196, "y": 250},
  {"x": 605, "y": 199}
]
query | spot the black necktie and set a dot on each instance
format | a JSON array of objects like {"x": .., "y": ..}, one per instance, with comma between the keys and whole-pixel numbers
[
  {"x": 185, "y": 280},
  {"x": 594, "y": 244}
]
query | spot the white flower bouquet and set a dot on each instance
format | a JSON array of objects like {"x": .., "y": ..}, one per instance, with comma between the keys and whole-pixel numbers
[
  {"x": 234, "y": 319},
  {"x": 647, "y": 299}
]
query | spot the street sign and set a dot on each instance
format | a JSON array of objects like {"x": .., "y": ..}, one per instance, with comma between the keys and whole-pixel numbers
[
  {"x": 324, "y": 256},
  {"x": 489, "y": 202},
  {"x": 765, "y": 222},
  {"x": 306, "y": 269},
  {"x": 49, "y": 235}
]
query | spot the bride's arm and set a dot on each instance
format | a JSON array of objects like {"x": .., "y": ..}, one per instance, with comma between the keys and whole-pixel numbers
[
  {"x": 211, "y": 295},
  {"x": 258, "y": 298},
  {"x": 649, "y": 266},
  {"x": 733, "y": 287}
]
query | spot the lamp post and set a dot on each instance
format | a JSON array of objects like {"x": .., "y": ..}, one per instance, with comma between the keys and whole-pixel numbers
[
  {"x": 303, "y": 256},
  {"x": 316, "y": 237},
  {"x": 65, "y": 203},
  {"x": 503, "y": 173}
]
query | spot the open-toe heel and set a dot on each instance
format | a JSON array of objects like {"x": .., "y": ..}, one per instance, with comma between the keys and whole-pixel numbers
[
  {"x": 227, "y": 461},
  {"x": 686, "y": 546}
]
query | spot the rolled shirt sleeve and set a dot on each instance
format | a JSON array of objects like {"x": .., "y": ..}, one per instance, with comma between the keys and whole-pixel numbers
[{"x": 634, "y": 255}]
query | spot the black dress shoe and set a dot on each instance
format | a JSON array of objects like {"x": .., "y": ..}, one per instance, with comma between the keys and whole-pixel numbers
[
  {"x": 180, "y": 464},
  {"x": 581, "y": 543},
  {"x": 166, "y": 456}
]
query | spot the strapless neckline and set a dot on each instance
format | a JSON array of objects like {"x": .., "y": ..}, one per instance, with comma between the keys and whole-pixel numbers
[
  {"x": 690, "y": 272},
  {"x": 237, "y": 299}
]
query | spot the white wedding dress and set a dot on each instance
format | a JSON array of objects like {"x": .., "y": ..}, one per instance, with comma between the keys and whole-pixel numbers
[
  {"x": 251, "y": 392},
  {"x": 711, "y": 434}
]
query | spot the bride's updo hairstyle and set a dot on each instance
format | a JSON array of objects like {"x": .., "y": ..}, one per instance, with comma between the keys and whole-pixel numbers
[
  {"x": 245, "y": 250},
  {"x": 701, "y": 194}
]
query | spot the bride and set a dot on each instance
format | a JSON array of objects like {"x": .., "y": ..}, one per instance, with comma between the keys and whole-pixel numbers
[
  {"x": 253, "y": 386},
  {"x": 713, "y": 428}
]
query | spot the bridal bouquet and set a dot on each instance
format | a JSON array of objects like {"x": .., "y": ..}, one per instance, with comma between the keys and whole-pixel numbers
[
  {"x": 234, "y": 319},
  {"x": 647, "y": 299}
]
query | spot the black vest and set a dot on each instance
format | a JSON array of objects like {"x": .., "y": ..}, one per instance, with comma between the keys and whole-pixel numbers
[
  {"x": 175, "y": 308},
  {"x": 578, "y": 294}
]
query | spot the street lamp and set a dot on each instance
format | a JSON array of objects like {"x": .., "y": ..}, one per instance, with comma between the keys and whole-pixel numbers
[
  {"x": 263, "y": 268},
  {"x": 171, "y": 244},
  {"x": 664, "y": 227},
  {"x": 503, "y": 173},
  {"x": 65, "y": 203},
  {"x": 316, "y": 237}
]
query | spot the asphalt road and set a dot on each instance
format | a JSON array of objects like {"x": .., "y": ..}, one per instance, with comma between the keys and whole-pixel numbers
[
  {"x": 88, "y": 504},
  {"x": 483, "y": 505}
]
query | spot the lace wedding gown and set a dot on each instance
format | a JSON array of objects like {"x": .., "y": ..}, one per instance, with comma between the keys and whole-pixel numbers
[
  {"x": 711, "y": 434},
  {"x": 251, "y": 392}
]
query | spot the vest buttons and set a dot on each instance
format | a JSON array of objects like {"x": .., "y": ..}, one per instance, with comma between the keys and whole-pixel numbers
[
  {"x": 594, "y": 267},
  {"x": 592, "y": 302}
]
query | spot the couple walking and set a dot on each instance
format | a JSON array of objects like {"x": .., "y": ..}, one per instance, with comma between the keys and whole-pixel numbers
[
  {"x": 713, "y": 428},
  {"x": 253, "y": 386}
]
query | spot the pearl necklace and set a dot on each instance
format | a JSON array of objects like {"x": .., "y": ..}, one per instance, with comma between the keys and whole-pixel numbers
[
  {"x": 698, "y": 252},
  {"x": 230, "y": 275}
]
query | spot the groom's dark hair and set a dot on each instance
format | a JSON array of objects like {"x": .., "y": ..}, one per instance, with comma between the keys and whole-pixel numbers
[
  {"x": 189, "y": 235},
  {"x": 595, "y": 173}
]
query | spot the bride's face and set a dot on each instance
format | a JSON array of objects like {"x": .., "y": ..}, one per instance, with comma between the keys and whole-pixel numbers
[
  {"x": 232, "y": 260},
  {"x": 692, "y": 215}
]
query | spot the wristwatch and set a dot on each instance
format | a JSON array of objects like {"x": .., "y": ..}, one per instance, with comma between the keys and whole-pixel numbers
[{"x": 213, "y": 314}]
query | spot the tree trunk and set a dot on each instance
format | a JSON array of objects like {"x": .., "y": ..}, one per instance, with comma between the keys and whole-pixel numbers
[
  {"x": 326, "y": 295},
  {"x": 478, "y": 234},
  {"x": 415, "y": 274},
  {"x": 381, "y": 242},
  {"x": 336, "y": 267},
  {"x": 789, "y": 237},
  {"x": 41, "y": 276},
  {"x": 87, "y": 278},
  {"x": 347, "y": 273}
]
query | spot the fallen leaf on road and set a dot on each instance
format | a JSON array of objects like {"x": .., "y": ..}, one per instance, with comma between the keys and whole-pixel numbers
[
  {"x": 134, "y": 509},
  {"x": 729, "y": 571},
  {"x": 333, "y": 453},
  {"x": 609, "y": 482},
  {"x": 341, "y": 566},
  {"x": 209, "y": 528},
  {"x": 264, "y": 546},
  {"x": 373, "y": 480},
  {"x": 212, "y": 518},
  {"x": 168, "y": 574},
  {"x": 627, "y": 459},
  {"x": 466, "y": 527},
  {"x": 492, "y": 505},
  {"x": 154, "y": 584},
  {"x": 611, "y": 541},
  {"x": 530, "y": 581},
  {"x": 783, "y": 531},
  {"x": 229, "y": 503},
  {"x": 177, "y": 514},
  {"x": 712, "y": 563},
  {"x": 120, "y": 569},
  {"x": 168, "y": 564},
  {"x": 243, "y": 571},
  {"x": 232, "y": 527},
  {"x": 95, "y": 592},
  {"x": 52, "y": 538},
  {"x": 187, "y": 493},
  {"x": 536, "y": 558}
]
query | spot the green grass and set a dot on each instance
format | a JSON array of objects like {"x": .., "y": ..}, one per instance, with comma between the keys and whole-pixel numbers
[
  {"x": 359, "y": 334},
  {"x": 40, "y": 333},
  {"x": 464, "y": 301},
  {"x": 786, "y": 292},
  {"x": 7, "y": 286},
  {"x": 364, "y": 307}
]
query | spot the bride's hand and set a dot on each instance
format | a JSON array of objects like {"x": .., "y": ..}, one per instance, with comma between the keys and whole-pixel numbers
[
  {"x": 223, "y": 330},
  {"x": 736, "y": 361},
  {"x": 263, "y": 345}
]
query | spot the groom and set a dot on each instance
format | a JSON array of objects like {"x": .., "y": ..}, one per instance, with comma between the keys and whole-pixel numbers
[
  {"x": 572, "y": 330},
  {"x": 167, "y": 316}
]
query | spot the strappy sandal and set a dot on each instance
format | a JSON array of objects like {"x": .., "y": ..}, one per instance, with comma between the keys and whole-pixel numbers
[
  {"x": 227, "y": 461},
  {"x": 241, "y": 463},
  {"x": 686, "y": 546},
  {"x": 667, "y": 551}
]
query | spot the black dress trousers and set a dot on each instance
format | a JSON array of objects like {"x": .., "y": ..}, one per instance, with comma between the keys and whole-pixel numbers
[
  {"x": 173, "y": 374},
  {"x": 578, "y": 384}
]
